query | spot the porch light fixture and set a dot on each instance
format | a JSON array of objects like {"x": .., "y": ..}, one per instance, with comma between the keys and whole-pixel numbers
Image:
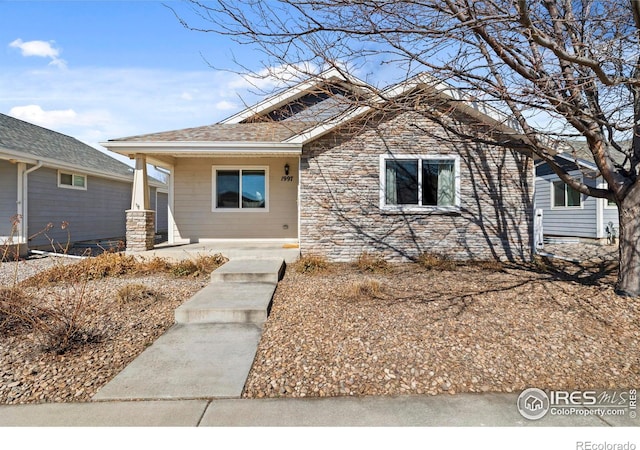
[{"x": 286, "y": 169}]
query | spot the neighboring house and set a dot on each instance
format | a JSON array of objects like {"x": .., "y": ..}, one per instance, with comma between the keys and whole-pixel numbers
[
  {"x": 306, "y": 167},
  {"x": 49, "y": 178},
  {"x": 566, "y": 212}
]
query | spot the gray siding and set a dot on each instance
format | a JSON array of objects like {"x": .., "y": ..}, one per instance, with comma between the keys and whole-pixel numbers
[
  {"x": 95, "y": 213},
  {"x": 8, "y": 195},
  {"x": 570, "y": 222},
  {"x": 609, "y": 214}
]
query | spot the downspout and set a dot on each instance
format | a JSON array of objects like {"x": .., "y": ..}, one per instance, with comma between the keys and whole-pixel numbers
[{"x": 23, "y": 200}]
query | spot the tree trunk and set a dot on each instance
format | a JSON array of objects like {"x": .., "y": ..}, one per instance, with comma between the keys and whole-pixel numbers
[{"x": 629, "y": 241}]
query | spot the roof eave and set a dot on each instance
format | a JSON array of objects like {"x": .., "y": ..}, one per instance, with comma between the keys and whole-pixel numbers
[
  {"x": 55, "y": 164},
  {"x": 216, "y": 148}
]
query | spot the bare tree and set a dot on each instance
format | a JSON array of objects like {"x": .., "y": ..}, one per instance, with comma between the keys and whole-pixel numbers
[{"x": 563, "y": 69}]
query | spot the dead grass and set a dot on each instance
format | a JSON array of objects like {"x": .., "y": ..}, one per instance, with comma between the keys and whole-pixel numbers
[
  {"x": 136, "y": 292},
  {"x": 372, "y": 263},
  {"x": 200, "y": 265},
  {"x": 367, "y": 288},
  {"x": 312, "y": 264},
  {"x": 119, "y": 264},
  {"x": 435, "y": 261}
]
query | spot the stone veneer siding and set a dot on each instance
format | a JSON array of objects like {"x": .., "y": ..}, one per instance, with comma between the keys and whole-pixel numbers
[
  {"x": 340, "y": 213},
  {"x": 140, "y": 230}
]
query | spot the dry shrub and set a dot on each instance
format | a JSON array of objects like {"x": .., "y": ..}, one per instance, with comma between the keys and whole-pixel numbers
[
  {"x": 311, "y": 264},
  {"x": 200, "y": 265},
  {"x": 136, "y": 293},
  {"x": 102, "y": 266},
  {"x": 435, "y": 261},
  {"x": 363, "y": 289},
  {"x": 14, "y": 309},
  {"x": 372, "y": 263},
  {"x": 57, "y": 319},
  {"x": 155, "y": 265},
  {"x": 119, "y": 264}
]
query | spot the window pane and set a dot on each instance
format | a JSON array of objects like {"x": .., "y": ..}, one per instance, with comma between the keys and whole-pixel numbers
[
  {"x": 253, "y": 189},
  {"x": 228, "y": 189},
  {"x": 78, "y": 180},
  {"x": 438, "y": 183},
  {"x": 558, "y": 193},
  {"x": 66, "y": 179},
  {"x": 402, "y": 182},
  {"x": 430, "y": 183},
  {"x": 573, "y": 197}
]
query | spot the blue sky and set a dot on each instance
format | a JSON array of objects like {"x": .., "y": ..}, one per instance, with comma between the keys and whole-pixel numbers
[{"x": 97, "y": 70}]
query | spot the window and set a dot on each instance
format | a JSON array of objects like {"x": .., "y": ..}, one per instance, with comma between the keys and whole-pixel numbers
[
  {"x": 411, "y": 183},
  {"x": 564, "y": 196},
  {"x": 72, "y": 180},
  {"x": 240, "y": 188}
]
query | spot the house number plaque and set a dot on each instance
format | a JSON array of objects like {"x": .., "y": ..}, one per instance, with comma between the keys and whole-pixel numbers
[{"x": 288, "y": 178}]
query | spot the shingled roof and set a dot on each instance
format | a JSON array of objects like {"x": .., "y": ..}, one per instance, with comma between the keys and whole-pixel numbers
[
  {"x": 40, "y": 143},
  {"x": 241, "y": 132}
]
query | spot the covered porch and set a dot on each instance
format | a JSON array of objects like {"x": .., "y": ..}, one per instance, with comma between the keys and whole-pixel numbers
[{"x": 220, "y": 194}]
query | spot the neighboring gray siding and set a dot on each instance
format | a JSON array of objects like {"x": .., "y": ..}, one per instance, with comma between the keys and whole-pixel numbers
[
  {"x": 8, "y": 195},
  {"x": 609, "y": 214},
  {"x": 570, "y": 222},
  {"x": 162, "y": 212},
  {"x": 341, "y": 217},
  {"x": 97, "y": 213}
]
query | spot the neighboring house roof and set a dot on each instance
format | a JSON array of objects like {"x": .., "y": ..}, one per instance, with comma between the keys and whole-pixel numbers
[
  {"x": 39, "y": 143},
  {"x": 27, "y": 142},
  {"x": 578, "y": 156}
]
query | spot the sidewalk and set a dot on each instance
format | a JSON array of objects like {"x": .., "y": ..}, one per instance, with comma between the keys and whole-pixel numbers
[{"x": 423, "y": 411}]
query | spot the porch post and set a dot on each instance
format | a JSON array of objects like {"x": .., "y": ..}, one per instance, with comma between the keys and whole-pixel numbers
[{"x": 140, "y": 218}]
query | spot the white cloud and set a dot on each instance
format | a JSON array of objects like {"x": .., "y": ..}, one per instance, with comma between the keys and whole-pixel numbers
[
  {"x": 186, "y": 96},
  {"x": 48, "y": 119},
  {"x": 273, "y": 77},
  {"x": 41, "y": 49},
  {"x": 97, "y": 104},
  {"x": 225, "y": 105}
]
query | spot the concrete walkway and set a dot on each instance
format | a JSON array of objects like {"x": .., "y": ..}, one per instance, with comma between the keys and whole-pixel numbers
[
  {"x": 210, "y": 350},
  {"x": 441, "y": 410},
  {"x": 289, "y": 251}
]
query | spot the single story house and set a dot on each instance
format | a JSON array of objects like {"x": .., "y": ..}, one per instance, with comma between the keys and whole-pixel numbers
[
  {"x": 338, "y": 171},
  {"x": 565, "y": 212},
  {"x": 50, "y": 178}
]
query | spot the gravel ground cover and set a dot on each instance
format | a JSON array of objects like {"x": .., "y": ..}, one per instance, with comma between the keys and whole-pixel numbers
[
  {"x": 409, "y": 330},
  {"x": 114, "y": 330},
  {"x": 401, "y": 329}
]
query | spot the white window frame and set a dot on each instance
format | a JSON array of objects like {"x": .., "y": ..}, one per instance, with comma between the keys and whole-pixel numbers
[
  {"x": 240, "y": 209},
  {"x": 73, "y": 179},
  {"x": 425, "y": 209},
  {"x": 553, "y": 195}
]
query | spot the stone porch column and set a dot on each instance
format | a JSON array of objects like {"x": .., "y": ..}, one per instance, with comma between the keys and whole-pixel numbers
[{"x": 140, "y": 218}]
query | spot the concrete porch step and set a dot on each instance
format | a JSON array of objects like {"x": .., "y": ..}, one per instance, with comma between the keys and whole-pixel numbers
[
  {"x": 250, "y": 271},
  {"x": 221, "y": 302}
]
